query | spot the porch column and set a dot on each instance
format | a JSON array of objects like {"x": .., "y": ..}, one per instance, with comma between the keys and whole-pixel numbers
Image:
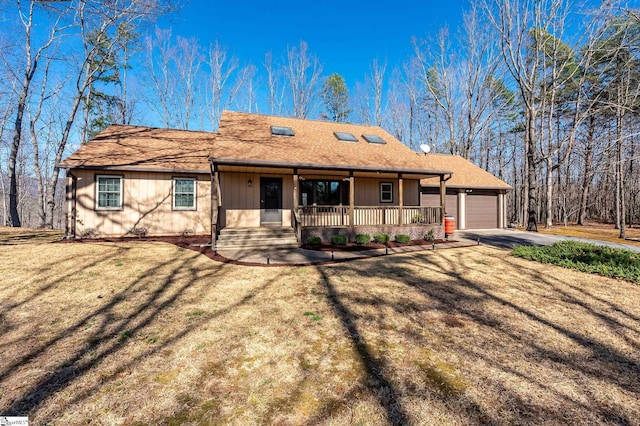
[
  {"x": 296, "y": 189},
  {"x": 352, "y": 198},
  {"x": 443, "y": 198},
  {"x": 400, "y": 198},
  {"x": 215, "y": 204}
]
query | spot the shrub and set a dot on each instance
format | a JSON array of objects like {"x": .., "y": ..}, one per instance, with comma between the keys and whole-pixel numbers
[
  {"x": 403, "y": 238},
  {"x": 430, "y": 236},
  {"x": 89, "y": 233},
  {"x": 314, "y": 241},
  {"x": 417, "y": 218},
  {"x": 140, "y": 232},
  {"x": 339, "y": 240},
  {"x": 602, "y": 260},
  {"x": 362, "y": 239},
  {"x": 381, "y": 238}
]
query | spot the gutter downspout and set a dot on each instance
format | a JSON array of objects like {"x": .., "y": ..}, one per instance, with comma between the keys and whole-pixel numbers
[{"x": 443, "y": 195}]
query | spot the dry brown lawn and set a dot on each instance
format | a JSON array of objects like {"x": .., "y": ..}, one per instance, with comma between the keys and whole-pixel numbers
[
  {"x": 147, "y": 333},
  {"x": 595, "y": 231},
  {"x": 11, "y": 236}
]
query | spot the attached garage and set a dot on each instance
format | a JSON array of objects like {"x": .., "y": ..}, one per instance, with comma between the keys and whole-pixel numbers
[
  {"x": 475, "y": 197},
  {"x": 482, "y": 210}
]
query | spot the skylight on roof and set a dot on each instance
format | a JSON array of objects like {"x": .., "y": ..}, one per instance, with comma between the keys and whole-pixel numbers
[
  {"x": 345, "y": 137},
  {"x": 373, "y": 139},
  {"x": 282, "y": 131}
]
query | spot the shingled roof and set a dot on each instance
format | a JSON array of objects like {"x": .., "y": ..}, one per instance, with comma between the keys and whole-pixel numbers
[
  {"x": 247, "y": 139},
  {"x": 466, "y": 174},
  {"x": 121, "y": 147}
]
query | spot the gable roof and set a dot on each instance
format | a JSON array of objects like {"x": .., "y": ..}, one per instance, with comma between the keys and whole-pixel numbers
[
  {"x": 246, "y": 139},
  {"x": 466, "y": 174},
  {"x": 123, "y": 147}
]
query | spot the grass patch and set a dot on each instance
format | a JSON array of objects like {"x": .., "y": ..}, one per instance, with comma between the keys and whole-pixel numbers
[
  {"x": 196, "y": 313},
  {"x": 602, "y": 260},
  {"x": 124, "y": 336},
  {"x": 313, "y": 316}
]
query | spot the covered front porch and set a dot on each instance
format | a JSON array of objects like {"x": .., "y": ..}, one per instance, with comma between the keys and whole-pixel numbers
[{"x": 323, "y": 200}]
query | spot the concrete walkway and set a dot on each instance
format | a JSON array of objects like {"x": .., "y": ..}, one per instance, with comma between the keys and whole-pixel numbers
[
  {"x": 508, "y": 238},
  {"x": 298, "y": 256}
]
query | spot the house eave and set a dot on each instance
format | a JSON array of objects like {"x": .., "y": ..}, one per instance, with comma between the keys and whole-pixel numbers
[
  {"x": 319, "y": 166},
  {"x": 137, "y": 169}
]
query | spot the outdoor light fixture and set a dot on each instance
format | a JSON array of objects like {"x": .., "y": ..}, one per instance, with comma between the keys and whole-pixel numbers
[{"x": 249, "y": 183}]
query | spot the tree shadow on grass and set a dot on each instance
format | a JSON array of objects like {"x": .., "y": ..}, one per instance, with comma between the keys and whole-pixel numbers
[
  {"x": 106, "y": 330},
  {"x": 459, "y": 297},
  {"x": 384, "y": 390}
]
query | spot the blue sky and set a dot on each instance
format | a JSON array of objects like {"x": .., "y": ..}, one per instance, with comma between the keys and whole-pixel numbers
[{"x": 345, "y": 35}]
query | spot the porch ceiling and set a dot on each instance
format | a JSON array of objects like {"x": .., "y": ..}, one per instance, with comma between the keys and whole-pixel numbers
[{"x": 310, "y": 172}]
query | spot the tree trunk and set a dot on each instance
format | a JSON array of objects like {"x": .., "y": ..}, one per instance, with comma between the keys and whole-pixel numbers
[
  {"x": 588, "y": 174},
  {"x": 532, "y": 204},
  {"x": 14, "y": 215},
  {"x": 549, "y": 200}
]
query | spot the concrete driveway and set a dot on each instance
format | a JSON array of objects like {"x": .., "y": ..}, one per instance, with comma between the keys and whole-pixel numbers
[{"x": 508, "y": 238}]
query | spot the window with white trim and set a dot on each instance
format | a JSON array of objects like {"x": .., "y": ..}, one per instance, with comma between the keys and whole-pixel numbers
[
  {"x": 109, "y": 192},
  {"x": 184, "y": 193},
  {"x": 386, "y": 192}
]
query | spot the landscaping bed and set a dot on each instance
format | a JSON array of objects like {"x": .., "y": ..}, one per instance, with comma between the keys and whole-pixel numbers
[{"x": 369, "y": 246}]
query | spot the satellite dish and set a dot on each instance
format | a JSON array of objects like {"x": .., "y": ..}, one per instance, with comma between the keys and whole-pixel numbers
[{"x": 425, "y": 148}]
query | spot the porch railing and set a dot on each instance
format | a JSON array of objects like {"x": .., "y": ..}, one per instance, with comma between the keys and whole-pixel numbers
[
  {"x": 368, "y": 215},
  {"x": 324, "y": 216}
]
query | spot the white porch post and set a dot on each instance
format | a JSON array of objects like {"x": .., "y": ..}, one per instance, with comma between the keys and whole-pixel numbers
[
  {"x": 501, "y": 210},
  {"x": 462, "y": 209}
]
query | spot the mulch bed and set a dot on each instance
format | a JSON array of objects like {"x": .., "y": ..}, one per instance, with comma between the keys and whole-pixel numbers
[{"x": 370, "y": 246}]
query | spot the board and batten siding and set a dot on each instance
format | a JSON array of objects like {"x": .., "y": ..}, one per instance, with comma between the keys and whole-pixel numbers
[
  {"x": 367, "y": 192},
  {"x": 147, "y": 202},
  {"x": 241, "y": 202}
]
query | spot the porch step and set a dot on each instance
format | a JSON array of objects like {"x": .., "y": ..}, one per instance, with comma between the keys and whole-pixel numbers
[{"x": 239, "y": 238}]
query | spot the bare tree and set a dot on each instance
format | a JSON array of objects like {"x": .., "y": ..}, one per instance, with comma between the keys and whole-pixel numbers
[
  {"x": 513, "y": 20},
  {"x": 376, "y": 84},
  {"x": 221, "y": 68},
  {"x": 24, "y": 74},
  {"x": 275, "y": 87},
  {"x": 158, "y": 65},
  {"x": 438, "y": 75},
  {"x": 302, "y": 72}
]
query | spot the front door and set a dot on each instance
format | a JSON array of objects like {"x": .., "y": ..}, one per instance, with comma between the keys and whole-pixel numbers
[{"x": 270, "y": 201}]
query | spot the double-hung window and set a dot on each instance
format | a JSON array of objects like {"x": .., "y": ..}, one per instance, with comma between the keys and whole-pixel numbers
[
  {"x": 109, "y": 192},
  {"x": 184, "y": 193},
  {"x": 386, "y": 192}
]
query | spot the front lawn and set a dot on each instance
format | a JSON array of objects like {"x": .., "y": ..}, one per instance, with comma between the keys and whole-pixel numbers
[
  {"x": 606, "y": 261},
  {"x": 145, "y": 333}
]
